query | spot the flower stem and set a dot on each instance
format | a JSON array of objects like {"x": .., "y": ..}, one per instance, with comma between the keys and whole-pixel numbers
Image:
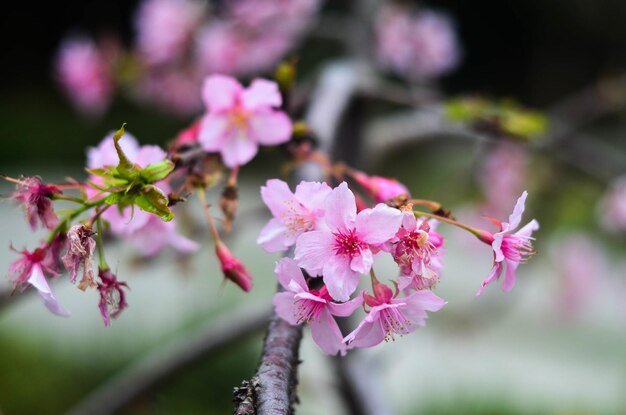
[
  {"x": 65, "y": 221},
  {"x": 102, "y": 262},
  {"x": 207, "y": 213},
  {"x": 473, "y": 231}
]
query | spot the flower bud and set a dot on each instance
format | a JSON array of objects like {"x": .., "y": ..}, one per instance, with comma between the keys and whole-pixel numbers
[{"x": 233, "y": 268}]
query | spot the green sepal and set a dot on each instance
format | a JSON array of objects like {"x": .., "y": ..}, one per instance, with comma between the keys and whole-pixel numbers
[
  {"x": 155, "y": 172},
  {"x": 153, "y": 200},
  {"x": 125, "y": 167}
]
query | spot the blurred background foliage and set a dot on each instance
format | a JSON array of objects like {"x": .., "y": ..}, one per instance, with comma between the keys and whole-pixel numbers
[{"x": 534, "y": 52}]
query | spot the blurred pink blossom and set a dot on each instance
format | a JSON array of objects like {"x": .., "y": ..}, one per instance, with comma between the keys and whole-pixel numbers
[
  {"x": 298, "y": 304},
  {"x": 612, "y": 208},
  {"x": 165, "y": 28},
  {"x": 238, "y": 119},
  {"x": 380, "y": 188},
  {"x": 418, "y": 46},
  {"x": 503, "y": 176},
  {"x": 36, "y": 197},
  {"x": 284, "y": 15},
  {"x": 175, "y": 91},
  {"x": 83, "y": 70}
]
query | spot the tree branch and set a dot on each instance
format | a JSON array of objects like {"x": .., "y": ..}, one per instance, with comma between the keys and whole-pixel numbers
[{"x": 166, "y": 361}]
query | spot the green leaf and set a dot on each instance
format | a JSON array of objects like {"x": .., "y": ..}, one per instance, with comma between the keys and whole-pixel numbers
[
  {"x": 125, "y": 167},
  {"x": 155, "y": 172},
  {"x": 153, "y": 200}
]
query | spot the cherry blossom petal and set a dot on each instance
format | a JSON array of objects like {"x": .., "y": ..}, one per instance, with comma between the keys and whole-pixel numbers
[
  {"x": 238, "y": 149},
  {"x": 277, "y": 196},
  {"x": 518, "y": 210},
  {"x": 182, "y": 244},
  {"x": 340, "y": 280},
  {"x": 497, "y": 246},
  {"x": 270, "y": 127},
  {"x": 377, "y": 226},
  {"x": 418, "y": 303},
  {"x": 313, "y": 249},
  {"x": 274, "y": 237},
  {"x": 346, "y": 309},
  {"x": 362, "y": 263},
  {"x": 150, "y": 155},
  {"x": 368, "y": 333},
  {"x": 285, "y": 307},
  {"x": 495, "y": 274},
  {"x": 340, "y": 208},
  {"x": 38, "y": 280},
  {"x": 528, "y": 229},
  {"x": 312, "y": 194},
  {"x": 326, "y": 334},
  {"x": 220, "y": 92},
  {"x": 214, "y": 131},
  {"x": 261, "y": 93},
  {"x": 509, "y": 275},
  {"x": 288, "y": 271}
]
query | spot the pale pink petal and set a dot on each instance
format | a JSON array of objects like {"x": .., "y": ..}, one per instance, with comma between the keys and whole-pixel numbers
[
  {"x": 274, "y": 237},
  {"x": 528, "y": 229},
  {"x": 182, "y": 244},
  {"x": 518, "y": 210},
  {"x": 306, "y": 295},
  {"x": 238, "y": 149},
  {"x": 340, "y": 208},
  {"x": 220, "y": 92},
  {"x": 346, "y": 309},
  {"x": 377, "y": 226},
  {"x": 313, "y": 249},
  {"x": 340, "y": 280},
  {"x": 150, "y": 155},
  {"x": 368, "y": 333},
  {"x": 495, "y": 274},
  {"x": 418, "y": 303},
  {"x": 362, "y": 263},
  {"x": 409, "y": 222},
  {"x": 509, "y": 275},
  {"x": 312, "y": 194},
  {"x": 285, "y": 307},
  {"x": 261, "y": 93},
  {"x": 270, "y": 127},
  {"x": 287, "y": 271},
  {"x": 38, "y": 280},
  {"x": 278, "y": 197},
  {"x": 214, "y": 132},
  {"x": 326, "y": 334},
  {"x": 497, "y": 246}
]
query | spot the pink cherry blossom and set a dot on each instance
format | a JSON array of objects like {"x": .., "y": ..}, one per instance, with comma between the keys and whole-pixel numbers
[
  {"x": 165, "y": 28},
  {"x": 417, "y": 249},
  {"x": 509, "y": 248},
  {"x": 232, "y": 268},
  {"x": 418, "y": 46},
  {"x": 239, "y": 119},
  {"x": 36, "y": 198},
  {"x": 391, "y": 316},
  {"x": 29, "y": 270},
  {"x": 298, "y": 304},
  {"x": 341, "y": 250},
  {"x": 380, "y": 188},
  {"x": 112, "y": 296},
  {"x": 82, "y": 70},
  {"x": 175, "y": 91},
  {"x": 289, "y": 15},
  {"x": 142, "y": 229},
  {"x": 294, "y": 213}
]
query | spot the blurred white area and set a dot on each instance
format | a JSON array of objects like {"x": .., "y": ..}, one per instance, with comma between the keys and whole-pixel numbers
[{"x": 517, "y": 348}]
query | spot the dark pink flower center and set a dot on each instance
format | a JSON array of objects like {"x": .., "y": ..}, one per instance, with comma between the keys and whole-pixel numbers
[
  {"x": 308, "y": 310},
  {"x": 348, "y": 243},
  {"x": 517, "y": 248}
]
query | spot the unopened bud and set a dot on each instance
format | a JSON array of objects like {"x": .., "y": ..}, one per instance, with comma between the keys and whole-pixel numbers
[{"x": 233, "y": 268}]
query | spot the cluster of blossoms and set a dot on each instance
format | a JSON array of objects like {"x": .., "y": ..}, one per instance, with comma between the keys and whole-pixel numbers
[
  {"x": 417, "y": 45},
  {"x": 177, "y": 43},
  {"x": 132, "y": 190},
  {"x": 336, "y": 241}
]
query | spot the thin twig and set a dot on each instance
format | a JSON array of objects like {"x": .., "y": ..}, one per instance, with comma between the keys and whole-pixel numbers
[{"x": 166, "y": 361}]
